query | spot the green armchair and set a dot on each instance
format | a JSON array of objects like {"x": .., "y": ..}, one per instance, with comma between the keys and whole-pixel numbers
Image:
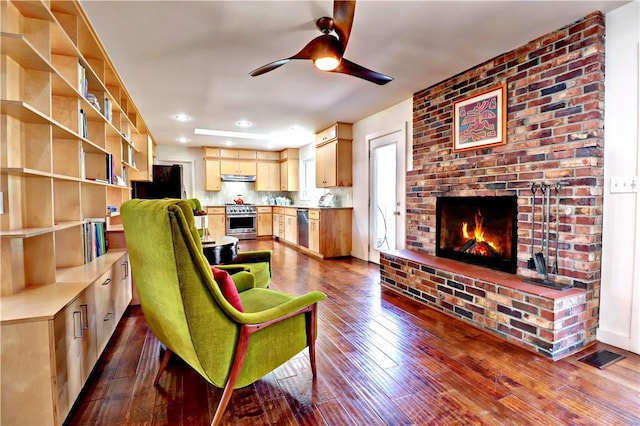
[
  {"x": 229, "y": 346},
  {"x": 258, "y": 262}
]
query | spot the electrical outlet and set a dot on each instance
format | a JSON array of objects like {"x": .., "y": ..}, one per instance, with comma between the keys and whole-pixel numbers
[{"x": 624, "y": 184}]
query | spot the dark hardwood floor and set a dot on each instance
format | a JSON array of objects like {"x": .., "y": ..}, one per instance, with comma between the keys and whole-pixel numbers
[{"x": 382, "y": 360}]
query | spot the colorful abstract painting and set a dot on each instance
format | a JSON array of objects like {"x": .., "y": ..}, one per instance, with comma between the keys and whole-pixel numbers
[{"x": 479, "y": 120}]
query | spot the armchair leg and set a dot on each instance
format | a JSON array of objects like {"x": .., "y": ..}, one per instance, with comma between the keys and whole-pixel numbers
[
  {"x": 163, "y": 365},
  {"x": 236, "y": 366},
  {"x": 310, "y": 317}
]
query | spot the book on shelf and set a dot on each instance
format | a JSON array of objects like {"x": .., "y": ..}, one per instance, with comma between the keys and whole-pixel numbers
[
  {"x": 83, "y": 83},
  {"x": 107, "y": 109},
  {"x": 82, "y": 124},
  {"x": 94, "y": 238},
  {"x": 83, "y": 171},
  {"x": 110, "y": 169}
]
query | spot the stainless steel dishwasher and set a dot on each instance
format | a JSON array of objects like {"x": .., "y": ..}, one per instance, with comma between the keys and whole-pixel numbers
[{"x": 303, "y": 227}]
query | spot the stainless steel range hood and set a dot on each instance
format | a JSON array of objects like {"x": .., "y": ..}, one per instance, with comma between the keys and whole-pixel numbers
[{"x": 238, "y": 178}]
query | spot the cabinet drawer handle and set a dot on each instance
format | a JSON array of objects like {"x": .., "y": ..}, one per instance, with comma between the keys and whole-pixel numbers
[
  {"x": 108, "y": 316},
  {"x": 85, "y": 316},
  {"x": 107, "y": 281},
  {"x": 125, "y": 268},
  {"x": 78, "y": 329}
]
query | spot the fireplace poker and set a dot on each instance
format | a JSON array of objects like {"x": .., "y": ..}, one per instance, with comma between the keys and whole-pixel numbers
[
  {"x": 534, "y": 189},
  {"x": 539, "y": 258},
  {"x": 548, "y": 221},
  {"x": 559, "y": 185}
]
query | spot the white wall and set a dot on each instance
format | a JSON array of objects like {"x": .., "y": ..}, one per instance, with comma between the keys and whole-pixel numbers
[
  {"x": 396, "y": 117},
  {"x": 620, "y": 294}
]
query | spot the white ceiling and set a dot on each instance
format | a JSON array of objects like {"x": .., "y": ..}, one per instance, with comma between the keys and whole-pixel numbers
[{"x": 194, "y": 57}]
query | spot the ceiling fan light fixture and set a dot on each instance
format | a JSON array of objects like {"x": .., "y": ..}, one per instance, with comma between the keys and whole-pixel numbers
[{"x": 327, "y": 63}]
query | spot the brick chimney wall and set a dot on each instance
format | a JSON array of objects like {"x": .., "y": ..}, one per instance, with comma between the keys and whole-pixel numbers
[{"x": 555, "y": 133}]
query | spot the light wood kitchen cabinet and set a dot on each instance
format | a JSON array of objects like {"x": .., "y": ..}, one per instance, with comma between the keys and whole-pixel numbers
[
  {"x": 264, "y": 221},
  {"x": 289, "y": 170},
  {"x": 291, "y": 225},
  {"x": 238, "y": 154},
  {"x": 212, "y": 181},
  {"x": 334, "y": 164},
  {"x": 330, "y": 232},
  {"x": 268, "y": 155},
  {"x": 216, "y": 220},
  {"x": 334, "y": 156},
  {"x": 278, "y": 222},
  {"x": 336, "y": 131},
  {"x": 229, "y": 167},
  {"x": 268, "y": 176},
  {"x": 55, "y": 145},
  {"x": 314, "y": 231}
]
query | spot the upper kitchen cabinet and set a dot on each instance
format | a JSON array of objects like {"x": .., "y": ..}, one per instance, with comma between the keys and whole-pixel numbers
[
  {"x": 289, "y": 169},
  {"x": 212, "y": 180},
  {"x": 268, "y": 176},
  {"x": 334, "y": 156}
]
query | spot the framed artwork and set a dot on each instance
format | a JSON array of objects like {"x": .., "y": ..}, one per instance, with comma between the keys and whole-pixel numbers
[{"x": 479, "y": 120}]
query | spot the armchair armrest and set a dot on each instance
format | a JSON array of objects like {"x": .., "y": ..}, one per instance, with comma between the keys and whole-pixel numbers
[
  {"x": 233, "y": 268},
  {"x": 243, "y": 281},
  {"x": 285, "y": 309},
  {"x": 253, "y": 256}
]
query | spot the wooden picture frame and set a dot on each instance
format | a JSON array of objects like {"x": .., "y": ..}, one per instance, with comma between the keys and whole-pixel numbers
[{"x": 479, "y": 120}]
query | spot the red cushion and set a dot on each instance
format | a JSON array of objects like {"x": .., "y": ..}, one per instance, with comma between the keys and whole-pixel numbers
[{"x": 228, "y": 288}]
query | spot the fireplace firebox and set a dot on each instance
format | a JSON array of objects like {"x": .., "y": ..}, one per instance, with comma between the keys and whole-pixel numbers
[{"x": 478, "y": 230}]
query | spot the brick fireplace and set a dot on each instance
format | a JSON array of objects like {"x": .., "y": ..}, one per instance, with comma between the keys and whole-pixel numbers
[{"x": 555, "y": 126}]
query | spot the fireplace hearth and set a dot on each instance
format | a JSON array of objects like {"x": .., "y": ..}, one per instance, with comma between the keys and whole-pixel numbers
[{"x": 478, "y": 230}]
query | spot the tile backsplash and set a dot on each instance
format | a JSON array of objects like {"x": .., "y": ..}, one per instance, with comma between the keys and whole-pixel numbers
[{"x": 342, "y": 197}]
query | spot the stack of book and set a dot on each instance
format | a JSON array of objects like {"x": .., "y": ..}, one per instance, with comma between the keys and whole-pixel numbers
[{"x": 94, "y": 238}]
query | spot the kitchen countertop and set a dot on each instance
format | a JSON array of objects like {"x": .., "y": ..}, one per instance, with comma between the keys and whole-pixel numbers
[{"x": 291, "y": 206}]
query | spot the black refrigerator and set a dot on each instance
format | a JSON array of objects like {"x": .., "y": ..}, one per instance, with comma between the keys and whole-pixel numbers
[{"x": 167, "y": 183}]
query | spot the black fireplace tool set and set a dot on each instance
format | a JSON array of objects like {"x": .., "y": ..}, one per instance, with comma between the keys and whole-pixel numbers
[{"x": 540, "y": 260}]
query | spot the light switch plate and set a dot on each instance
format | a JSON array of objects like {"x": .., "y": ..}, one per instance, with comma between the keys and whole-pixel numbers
[
  {"x": 624, "y": 184},
  {"x": 1, "y": 202}
]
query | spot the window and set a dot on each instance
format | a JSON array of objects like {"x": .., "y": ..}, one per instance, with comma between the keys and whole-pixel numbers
[{"x": 308, "y": 179}]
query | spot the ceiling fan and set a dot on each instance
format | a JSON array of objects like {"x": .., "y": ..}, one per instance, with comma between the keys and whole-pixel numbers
[{"x": 326, "y": 51}]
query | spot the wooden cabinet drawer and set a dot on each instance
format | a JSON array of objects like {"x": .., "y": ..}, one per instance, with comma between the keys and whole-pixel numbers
[
  {"x": 105, "y": 294},
  {"x": 215, "y": 210},
  {"x": 264, "y": 209},
  {"x": 314, "y": 214}
]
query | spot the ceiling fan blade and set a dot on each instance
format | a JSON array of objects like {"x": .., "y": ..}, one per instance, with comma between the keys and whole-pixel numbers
[
  {"x": 315, "y": 48},
  {"x": 318, "y": 47},
  {"x": 343, "y": 12},
  {"x": 269, "y": 67},
  {"x": 348, "y": 67}
]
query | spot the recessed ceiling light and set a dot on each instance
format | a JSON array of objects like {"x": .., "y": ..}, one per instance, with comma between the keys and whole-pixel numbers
[
  {"x": 228, "y": 143},
  {"x": 183, "y": 139},
  {"x": 243, "y": 123},
  {"x": 182, "y": 117}
]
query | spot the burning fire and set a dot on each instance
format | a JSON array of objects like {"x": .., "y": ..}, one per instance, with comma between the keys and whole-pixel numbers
[{"x": 482, "y": 246}]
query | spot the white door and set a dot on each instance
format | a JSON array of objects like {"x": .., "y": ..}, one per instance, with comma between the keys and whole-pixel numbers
[{"x": 386, "y": 198}]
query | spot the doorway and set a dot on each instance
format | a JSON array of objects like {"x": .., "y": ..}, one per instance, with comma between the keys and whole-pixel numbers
[{"x": 386, "y": 197}]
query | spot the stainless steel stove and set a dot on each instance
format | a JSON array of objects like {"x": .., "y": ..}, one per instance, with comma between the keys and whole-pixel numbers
[{"x": 241, "y": 221}]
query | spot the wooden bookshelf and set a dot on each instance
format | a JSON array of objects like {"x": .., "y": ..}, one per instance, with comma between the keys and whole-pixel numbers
[{"x": 71, "y": 141}]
